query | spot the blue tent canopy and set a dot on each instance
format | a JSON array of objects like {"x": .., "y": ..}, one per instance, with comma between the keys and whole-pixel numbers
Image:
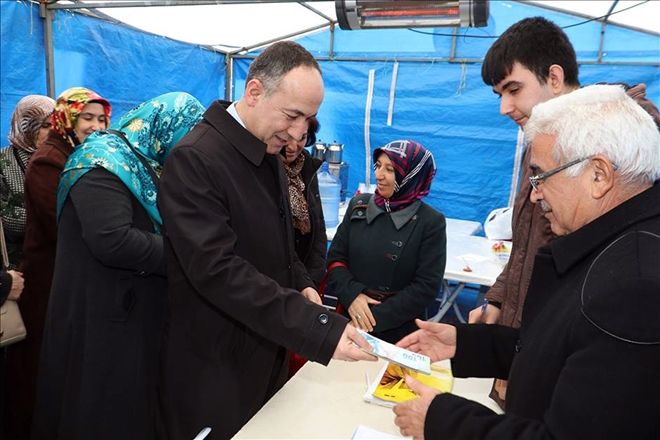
[{"x": 439, "y": 98}]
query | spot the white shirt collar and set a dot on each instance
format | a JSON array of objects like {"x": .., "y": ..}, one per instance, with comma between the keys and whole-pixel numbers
[{"x": 232, "y": 111}]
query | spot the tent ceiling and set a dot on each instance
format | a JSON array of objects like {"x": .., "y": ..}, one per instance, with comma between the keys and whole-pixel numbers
[{"x": 228, "y": 27}]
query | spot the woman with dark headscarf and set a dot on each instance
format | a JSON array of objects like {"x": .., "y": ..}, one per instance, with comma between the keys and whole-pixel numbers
[
  {"x": 387, "y": 259},
  {"x": 78, "y": 112},
  {"x": 98, "y": 370},
  {"x": 29, "y": 127}
]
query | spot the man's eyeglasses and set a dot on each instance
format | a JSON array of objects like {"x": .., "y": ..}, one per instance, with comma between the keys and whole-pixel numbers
[{"x": 536, "y": 180}]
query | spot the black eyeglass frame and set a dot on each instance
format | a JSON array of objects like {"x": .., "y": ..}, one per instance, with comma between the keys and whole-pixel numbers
[{"x": 537, "y": 179}]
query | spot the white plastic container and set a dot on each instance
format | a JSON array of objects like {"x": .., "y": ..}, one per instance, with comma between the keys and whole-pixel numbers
[{"x": 329, "y": 189}]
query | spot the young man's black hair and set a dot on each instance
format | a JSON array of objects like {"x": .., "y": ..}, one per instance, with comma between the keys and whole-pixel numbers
[{"x": 536, "y": 43}]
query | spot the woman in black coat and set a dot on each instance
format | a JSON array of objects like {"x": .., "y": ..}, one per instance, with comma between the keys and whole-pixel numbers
[
  {"x": 98, "y": 367},
  {"x": 308, "y": 223},
  {"x": 387, "y": 260}
]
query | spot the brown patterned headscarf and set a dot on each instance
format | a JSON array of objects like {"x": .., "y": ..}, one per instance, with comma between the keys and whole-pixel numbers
[
  {"x": 299, "y": 207},
  {"x": 31, "y": 113}
]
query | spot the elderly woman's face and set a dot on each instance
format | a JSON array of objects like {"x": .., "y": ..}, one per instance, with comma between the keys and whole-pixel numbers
[
  {"x": 91, "y": 119},
  {"x": 43, "y": 133},
  {"x": 294, "y": 148},
  {"x": 385, "y": 176}
]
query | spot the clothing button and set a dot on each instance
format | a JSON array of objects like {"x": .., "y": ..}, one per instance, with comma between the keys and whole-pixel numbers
[
  {"x": 397, "y": 243},
  {"x": 518, "y": 346},
  {"x": 142, "y": 273},
  {"x": 360, "y": 213},
  {"x": 323, "y": 318}
]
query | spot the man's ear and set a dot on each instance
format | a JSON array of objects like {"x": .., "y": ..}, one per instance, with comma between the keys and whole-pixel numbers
[
  {"x": 254, "y": 90},
  {"x": 556, "y": 79},
  {"x": 602, "y": 173}
]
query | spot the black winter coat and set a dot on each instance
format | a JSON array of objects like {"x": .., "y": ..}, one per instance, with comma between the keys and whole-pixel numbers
[
  {"x": 232, "y": 271},
  {"x": 573, "y": 372},
  {"x": 98, "y": 369},
  {"x": 409, "y": 260},
  {"x": 312, "y": 248}
]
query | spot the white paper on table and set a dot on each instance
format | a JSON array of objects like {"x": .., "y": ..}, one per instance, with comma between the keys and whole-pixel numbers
[
  {"x": 364, "y": 432},
  {"x": 472, "y": 258}
]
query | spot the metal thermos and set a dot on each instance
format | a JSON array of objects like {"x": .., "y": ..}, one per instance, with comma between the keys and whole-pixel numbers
[
  {"x": 333, "y": 152},
  {"x": 318, "y": 150}
]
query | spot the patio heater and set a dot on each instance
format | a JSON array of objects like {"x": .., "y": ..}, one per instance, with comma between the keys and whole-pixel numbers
[{"x": 375, "y": 14}]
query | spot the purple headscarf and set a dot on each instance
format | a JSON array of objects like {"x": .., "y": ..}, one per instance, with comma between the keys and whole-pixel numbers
[{"x": 414, "y": 169}]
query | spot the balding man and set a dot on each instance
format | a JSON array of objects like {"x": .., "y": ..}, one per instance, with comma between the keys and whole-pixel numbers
[{"x": 238, "y": 295}]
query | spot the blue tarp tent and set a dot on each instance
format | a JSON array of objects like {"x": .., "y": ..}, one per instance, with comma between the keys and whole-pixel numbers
[{"x": 437, "y": 96}]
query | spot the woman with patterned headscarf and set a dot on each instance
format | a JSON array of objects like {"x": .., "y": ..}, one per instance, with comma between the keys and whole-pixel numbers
[
  {"x": 98, "y": 370},
  {"x": 387, "y": 259},
  {"x": 29, "y": 127},
  {"x": 78, "y": 112}
]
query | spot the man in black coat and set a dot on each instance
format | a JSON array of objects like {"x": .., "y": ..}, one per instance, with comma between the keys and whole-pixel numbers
[
  {"x": 238, "y": 295},
  {"x": 585, "y": 362}
]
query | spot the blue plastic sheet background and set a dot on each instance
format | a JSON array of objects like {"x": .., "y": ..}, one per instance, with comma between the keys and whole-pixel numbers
[
  {"x": 123, "y": 65},
  {"x": 444, "y": 105}
]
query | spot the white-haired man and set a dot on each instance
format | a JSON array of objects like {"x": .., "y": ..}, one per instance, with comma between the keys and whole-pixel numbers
[{"x": 585, "y": 362}]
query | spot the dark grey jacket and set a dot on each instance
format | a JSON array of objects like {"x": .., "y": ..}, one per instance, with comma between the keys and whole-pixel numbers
[
  {"x": 232, "y": 271},
  {"x": 402, "y": 252}
]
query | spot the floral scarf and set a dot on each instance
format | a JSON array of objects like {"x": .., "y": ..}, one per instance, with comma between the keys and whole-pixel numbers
[
  {"x": 31, "y": 113},
  {"x": 68, "y": 107},
  {"x": 153, "y": 128},
  {"x": 299, "y": 208},
  {"x": 414, "y": 169}
]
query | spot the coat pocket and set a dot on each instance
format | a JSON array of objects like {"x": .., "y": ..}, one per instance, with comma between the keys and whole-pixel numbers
[{"x": 123, "y": 301}]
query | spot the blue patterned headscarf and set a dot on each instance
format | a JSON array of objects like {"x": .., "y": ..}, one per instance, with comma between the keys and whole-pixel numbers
[{"x": 153, "y": 128}]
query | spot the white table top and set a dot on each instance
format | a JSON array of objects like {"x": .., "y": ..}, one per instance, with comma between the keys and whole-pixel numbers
[
  {"x": 477, "y": 253},
  {"x": 455, "y": 226},
  {"x": 326, "y": 403}
]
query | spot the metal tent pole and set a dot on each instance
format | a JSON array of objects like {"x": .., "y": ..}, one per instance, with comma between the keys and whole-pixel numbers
[
  {"x": 47, "y": 15},
  {"x": 602, "y": 31}
]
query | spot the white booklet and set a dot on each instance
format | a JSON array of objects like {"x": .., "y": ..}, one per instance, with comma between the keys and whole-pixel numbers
[
  {"x": 401, "y": 356},
  {"x": 365, "y": 433}
]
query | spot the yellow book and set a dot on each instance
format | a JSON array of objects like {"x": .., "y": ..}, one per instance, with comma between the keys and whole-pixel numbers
[{"x": 390, "y": 387}]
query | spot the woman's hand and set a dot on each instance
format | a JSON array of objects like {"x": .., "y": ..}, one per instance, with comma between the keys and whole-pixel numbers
[
  {"x": 360, "y": 312},
  {"x": 16, "y": 285}
]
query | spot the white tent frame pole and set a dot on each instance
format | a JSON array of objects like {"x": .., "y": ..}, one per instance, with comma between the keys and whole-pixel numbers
[
  {"x": 229, "y": 77},
  {"x": 603, "y": 26},
  {"x": 280, "y": 38},
  {"x": 138, "y": 4}
]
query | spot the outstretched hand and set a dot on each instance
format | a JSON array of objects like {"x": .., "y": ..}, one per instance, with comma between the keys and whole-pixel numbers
[
  {"x": 352, "y": 345},
  {"x": 435, "y": 340}
]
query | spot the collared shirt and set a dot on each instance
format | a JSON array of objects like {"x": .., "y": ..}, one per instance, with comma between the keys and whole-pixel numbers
[{"x": 234, "y": 113}]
